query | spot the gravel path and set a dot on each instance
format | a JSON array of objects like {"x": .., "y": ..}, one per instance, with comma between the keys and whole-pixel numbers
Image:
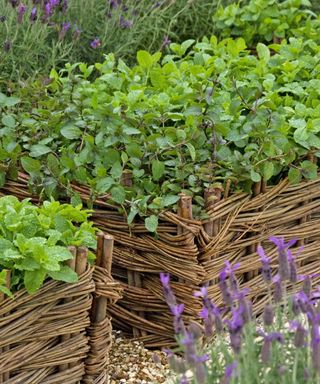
[{"x": 131, "y": 363}]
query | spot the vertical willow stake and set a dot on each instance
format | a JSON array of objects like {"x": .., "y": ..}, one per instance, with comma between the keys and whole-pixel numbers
[
  {"x": 211, "y": 197},
  {"x": 105, "y": 261},
  {"x": 6, "y": 375}
]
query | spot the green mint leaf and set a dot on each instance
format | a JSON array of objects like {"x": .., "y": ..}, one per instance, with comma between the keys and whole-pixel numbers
[
  {"x": 294, "y": 175},
  {"x": 151, "y": 223},
  {"x": 263, "y": 52},
  {"x": 71, "y": 132},
  {"x": 104, "y": 184},
  {"x": 158, "y": 169},
  {"x": 31, "y": 166},
  {"x": 267, "y": 170},
  {"x": 6, "y": 291},
  {"x": 65, "y": 274},
  {"x": 255, "y": 177},
  {"x": 192, "y": 151},
  {"x": 309, "y": 170},
  {"x": 169, "y": 200},
  {"x": 38, "y": 150},
  {"x": 33, "y": 280},
  {"x": 144, "y": 59},
  {"x": 118, "y": 194}
]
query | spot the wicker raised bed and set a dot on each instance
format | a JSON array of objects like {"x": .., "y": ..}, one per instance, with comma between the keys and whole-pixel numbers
[
  {"x": 48, "y": 337},
  {"x": 193, "y": 252}
]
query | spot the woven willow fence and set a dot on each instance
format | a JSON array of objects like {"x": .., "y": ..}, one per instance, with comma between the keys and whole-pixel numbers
[
  {"x": 193, "y": 252},
  {"x": 48, "y": 337}
]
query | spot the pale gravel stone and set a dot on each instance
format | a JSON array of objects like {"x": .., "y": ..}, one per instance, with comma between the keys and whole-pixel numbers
[{"x": 131, "y": 363}]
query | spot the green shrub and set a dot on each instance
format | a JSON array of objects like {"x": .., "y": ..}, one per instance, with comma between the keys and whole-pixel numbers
[
  {"x": 206, "y": 113},
  {"x": 266, "y": 20},
  {"x": 34, "y": 240}
]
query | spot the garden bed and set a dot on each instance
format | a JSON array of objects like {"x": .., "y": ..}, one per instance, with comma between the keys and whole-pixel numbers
[{"x": 194, "y": 252}]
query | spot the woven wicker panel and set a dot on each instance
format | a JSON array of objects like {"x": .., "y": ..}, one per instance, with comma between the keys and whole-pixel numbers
[
  {"x": 194, "y": 252},
  {"x": 43, "y": 336}
]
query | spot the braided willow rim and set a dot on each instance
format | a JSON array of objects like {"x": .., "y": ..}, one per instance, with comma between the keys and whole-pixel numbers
[{"x": 193, "y": 251}]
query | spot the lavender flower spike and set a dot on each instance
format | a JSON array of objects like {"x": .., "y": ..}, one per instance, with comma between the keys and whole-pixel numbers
[
  {"x": 21, "y": 11},
  {"x": 33, "y": 15},
  {"x": 96, "y": 43},
  {"x": 64, "y": 30},
  {"x": 265, "y": 261},
  {"x": 283, "y": 260}
]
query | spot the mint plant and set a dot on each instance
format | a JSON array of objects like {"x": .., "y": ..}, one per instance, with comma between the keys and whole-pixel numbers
[
  {"x": 34, "y": 240},
  {"x": 266, "y": 20}
]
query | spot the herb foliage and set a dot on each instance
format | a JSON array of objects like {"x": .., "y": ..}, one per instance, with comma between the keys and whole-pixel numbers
[
  {"x": 34, "y": 240},
  {"x": 208, "y": 112}
]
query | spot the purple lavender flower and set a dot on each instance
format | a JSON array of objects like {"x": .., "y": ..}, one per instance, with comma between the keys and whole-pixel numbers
[
  {"x": 293, "y": 275},
  {"x": 193, "y": 359},
  {"x": 178, "y": 323},
  {"x": 165, "y": 280},
  {"x": 184, "y": 380},
  {"x": 96, "y": 43},
  {"x": 168, "y": 294},
  {"x": 165, "y": 42},
  {"x": 302, "y": 301},
  {"x": 307, "y": 286},
  {"x": 278, "y": 289},
  {"x": 268, "y": 315},
  {"x": 125, "y": 23},
  {"x": 64, "y": 29},
  {"x": 244, "y": 305},
  {"x": 315, "y": 346},
  {"x": 65, "y": 6},
  {"x": 114, "y": 4},
  {"x": 14, "y": 3},
  {"x": 33, "y": 14},
  {"x": 235, "y": 342},
  {"x": 47, "y": 10},
  {"x": 176, "y": 309},
  {"x": 284, "y": 268},
  {"x": 210, "y": 313},
  {"x": 229, "y": 271},
  {"x": 300, "y": 334},
  {"x": 21, "y": 11},
  {"x": 266, "y": 347},
  {"x": 2, "y": 19},
  {"x": 195, "y": 330},
  {"x": 230, "y": 372},
  {"x": 265, "y": 261}
]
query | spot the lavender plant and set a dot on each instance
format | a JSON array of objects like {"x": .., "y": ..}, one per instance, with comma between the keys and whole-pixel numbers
[
  {"x": 233, "y": 347},
  {"x": 37, "y": 35}
]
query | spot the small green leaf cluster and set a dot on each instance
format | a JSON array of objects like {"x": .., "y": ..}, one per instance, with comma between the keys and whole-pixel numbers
[
  {"x": 34, "y": 240},
  {"x": 267, "y": 20}
]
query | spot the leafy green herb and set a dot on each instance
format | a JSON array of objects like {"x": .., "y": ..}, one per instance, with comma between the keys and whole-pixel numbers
[{"x": 34, "y": 240}]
